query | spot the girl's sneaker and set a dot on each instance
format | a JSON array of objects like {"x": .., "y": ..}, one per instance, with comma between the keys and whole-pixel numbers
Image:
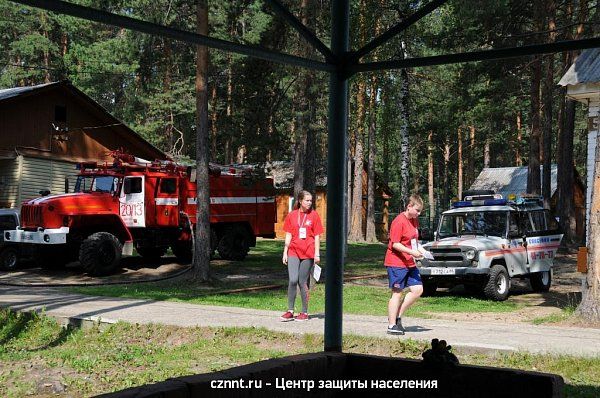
[
  {"x": 287, "y": 316},
  {"x": 303, "y": 316}
]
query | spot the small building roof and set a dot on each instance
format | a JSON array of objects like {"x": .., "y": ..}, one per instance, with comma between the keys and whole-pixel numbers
[
  {"x": 507, "y": 180},
  {"x": 19, "y": 93},
  {"x": 585, "y": 69},
  {"x": 283, "y": 174}
]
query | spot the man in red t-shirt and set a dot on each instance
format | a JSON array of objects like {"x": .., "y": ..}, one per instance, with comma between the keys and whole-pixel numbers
[{"x": 400, "y": 263}]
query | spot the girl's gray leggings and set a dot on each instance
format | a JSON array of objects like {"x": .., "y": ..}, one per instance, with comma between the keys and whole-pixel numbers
[{"x": 299, "y": 274}]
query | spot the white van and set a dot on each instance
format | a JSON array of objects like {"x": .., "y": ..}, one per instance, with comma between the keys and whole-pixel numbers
[{"x": 483, "y": 241}]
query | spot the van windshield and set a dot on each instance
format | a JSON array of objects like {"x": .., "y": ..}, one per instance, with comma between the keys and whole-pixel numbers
[
  {"x": 473, "y": 223},
  {"x": 108, "y": 184}
]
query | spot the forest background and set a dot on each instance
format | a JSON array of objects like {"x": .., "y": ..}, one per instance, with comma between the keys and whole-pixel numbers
[{"x": 429, "y": 130}]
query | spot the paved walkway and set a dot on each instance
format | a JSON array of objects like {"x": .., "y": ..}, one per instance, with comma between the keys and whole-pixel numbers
[{"x": 467, "y": 335}]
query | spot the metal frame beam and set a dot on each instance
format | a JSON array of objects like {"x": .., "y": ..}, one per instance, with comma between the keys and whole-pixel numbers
[
  {"x": 502, "y": 53},
  {"x": 395, "y": 30},
  {"x": 337, "y": 140},
  {"x": 309, "y": 36},
  {"x": 108, "y": 18}
]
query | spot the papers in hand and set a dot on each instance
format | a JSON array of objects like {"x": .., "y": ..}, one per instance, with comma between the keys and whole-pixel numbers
[
  {"x": 317, "y": 272},
  {"x": 427, "y": 254}
]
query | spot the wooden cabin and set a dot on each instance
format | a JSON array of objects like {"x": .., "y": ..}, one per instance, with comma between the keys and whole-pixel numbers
[
  {"x": 45, "y": 130},
  {"x": 283, "y": 177},
  {"x": 513, "y": 180}
]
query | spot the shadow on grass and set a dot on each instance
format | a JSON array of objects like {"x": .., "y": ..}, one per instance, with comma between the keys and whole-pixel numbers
[
  {"x": 18, "y": 326},
  {"x": 581, "y": 391}
]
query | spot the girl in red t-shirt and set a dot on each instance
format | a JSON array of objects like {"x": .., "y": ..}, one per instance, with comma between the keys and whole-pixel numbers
[{"x": 301, "y": 251}]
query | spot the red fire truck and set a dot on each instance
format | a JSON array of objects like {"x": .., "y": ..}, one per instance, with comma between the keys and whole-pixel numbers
[{"x": 147, "y": 205}]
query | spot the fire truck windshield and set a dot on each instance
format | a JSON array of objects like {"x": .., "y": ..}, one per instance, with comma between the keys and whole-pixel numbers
[{"x": 106, "y": 184}]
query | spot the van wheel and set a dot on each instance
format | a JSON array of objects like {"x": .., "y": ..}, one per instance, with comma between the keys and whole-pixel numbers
[
  {"x": 100, "y": 254},
  {"x": 429, "y": 287},
  {"x": 235, "y": 244},
  {"x": 9, "y": 259},
  {"x": 498, "y": 284},
  {"x": 540, "y": 281}
]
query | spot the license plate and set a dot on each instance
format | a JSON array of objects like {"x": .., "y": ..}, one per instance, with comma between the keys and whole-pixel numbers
[{"x": 443, "y": 271}]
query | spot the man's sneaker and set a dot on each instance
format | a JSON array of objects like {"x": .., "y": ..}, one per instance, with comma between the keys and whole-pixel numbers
[
  {"x": 394, "y": 330},
  {"x": 399, "y": 324},
  {"x": 303, "y": 316},
  {"x": 287, "y": 316}
]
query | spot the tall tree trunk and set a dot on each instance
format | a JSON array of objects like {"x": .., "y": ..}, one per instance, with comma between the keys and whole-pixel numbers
[
  {"x": 430, "y": 181},
  {"x": 356, "y": 226},
  {"x": 590, "y": 303},
  {"x": 385, "y": 132},
  {"x": 214, "y": 117},
  {"x": 486, "y": 153},
  {"x": 533, "y": 172},
  {"x": 566, "y": 172},
  {"x": 305, "y": 149},
  {"x": 446, "y": 199},
  {"x": 518, "y": 160},
  {"x": 201, "y": 266},
  {"x": 460, "y": 164},
  {"x": 371, "y": 233},
  {"x": 471, "y": 164},
  {"x": 547, "y": 96},
  {"x": 404, "y": 120},
  {"x": 229, "y": 111}
]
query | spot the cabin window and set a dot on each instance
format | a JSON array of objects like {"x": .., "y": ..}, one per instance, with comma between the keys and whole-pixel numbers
[{"x": 60, "y": 113}]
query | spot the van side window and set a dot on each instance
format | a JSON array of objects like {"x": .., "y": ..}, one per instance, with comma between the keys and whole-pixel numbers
[
  {"x": 513, "y": 225},
  {"x": 539, "y": 220},
  {"x": 526, "y": 225},
  {"x": 168, "y": 185}
]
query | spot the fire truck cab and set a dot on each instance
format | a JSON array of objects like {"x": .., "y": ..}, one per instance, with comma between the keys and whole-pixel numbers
[{"x": 147, "y": 205}]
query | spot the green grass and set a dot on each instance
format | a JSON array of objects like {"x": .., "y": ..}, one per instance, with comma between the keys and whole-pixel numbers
[
  {"x": 265, "y": 259},
  {"x": 367, "y": 300},
  {"x": 36, "y": 352},
  {"x": 566, "y": 313}
]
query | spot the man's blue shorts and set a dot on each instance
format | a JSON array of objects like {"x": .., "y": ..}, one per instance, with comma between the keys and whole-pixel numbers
[{"x": 401, "y": 278}]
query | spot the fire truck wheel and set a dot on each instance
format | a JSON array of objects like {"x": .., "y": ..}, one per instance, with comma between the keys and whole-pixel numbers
[
  {"x": 234, "y": 245},
  {"x": 540, "y": 281},
  {"x": 151, "y": 253},
  {"x": 498, "y": 284},
  {"x": 183, "y": 251},
  {"x": 9, "y": 259},
  {"x": 100, "y": 254}
]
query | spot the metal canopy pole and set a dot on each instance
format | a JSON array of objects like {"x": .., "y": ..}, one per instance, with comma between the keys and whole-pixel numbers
[
  {"x": 410, "y": 20},
  {"x": 336, "y": 176},
  {"x": 309, "y": 36},
  {"x": 484, "y": 55}
]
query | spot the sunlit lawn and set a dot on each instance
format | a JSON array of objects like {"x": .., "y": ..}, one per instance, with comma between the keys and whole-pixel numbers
[{"x": 362, "y": 259}]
